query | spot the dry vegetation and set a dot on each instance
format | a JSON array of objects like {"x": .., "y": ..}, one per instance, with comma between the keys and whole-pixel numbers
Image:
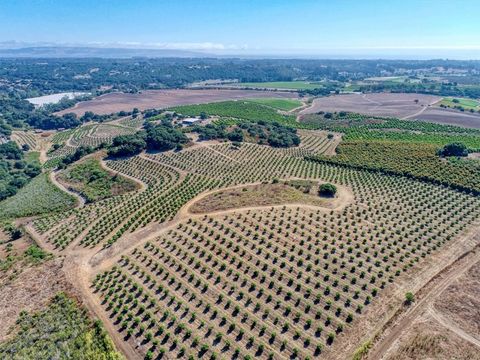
[
  {"x": 376, "y": 104},
  {"x": 460, "y": 302},
  {"x": 264, "y": 195},
  {"x": 427, "y": 339}
]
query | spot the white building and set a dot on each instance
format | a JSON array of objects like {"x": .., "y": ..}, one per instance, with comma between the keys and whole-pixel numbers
[{"x": 191, "y": 121}]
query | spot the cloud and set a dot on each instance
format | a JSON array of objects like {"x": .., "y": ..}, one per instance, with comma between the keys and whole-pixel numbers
[
  {"x": 198, "y": 46},
  {"x": 172, "y": 45}
]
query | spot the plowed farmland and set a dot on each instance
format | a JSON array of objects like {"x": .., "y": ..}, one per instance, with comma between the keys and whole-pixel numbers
[
  {"x": 115, "y": 102},
  {"x": 376, "y": 104}
]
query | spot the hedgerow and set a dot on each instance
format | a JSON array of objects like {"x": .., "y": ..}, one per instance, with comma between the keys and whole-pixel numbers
[{"x": 414, "y": 160}]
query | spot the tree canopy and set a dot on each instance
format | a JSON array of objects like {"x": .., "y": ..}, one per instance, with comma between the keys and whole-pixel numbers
[{"x": 454, "y": 149}]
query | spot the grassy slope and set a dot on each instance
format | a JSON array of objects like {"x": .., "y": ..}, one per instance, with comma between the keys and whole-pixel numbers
[
  {"x": 93, "y": 182},
  {"x": 32, "y": 157},
  {"x": 37, "y": 197},
  {"x": 256, "y": 195},
  {"x": 61, "y": 331},
  {"x": 279, "y": 104},
  {"x": 467, "y": 104}
]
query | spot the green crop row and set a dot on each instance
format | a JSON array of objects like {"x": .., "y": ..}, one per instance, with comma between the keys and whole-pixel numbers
[{"x": 412, "y": 160}]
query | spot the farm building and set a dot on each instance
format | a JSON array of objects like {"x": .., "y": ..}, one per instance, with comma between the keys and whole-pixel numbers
[{"x": 191, "y": 121}]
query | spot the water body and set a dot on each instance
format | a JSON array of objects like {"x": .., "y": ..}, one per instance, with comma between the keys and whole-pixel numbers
[{"x": 54, "y": 98}]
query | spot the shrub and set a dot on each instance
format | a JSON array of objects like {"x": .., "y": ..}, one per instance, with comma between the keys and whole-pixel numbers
[
  {"x": 409, "y": 298},
  {"x": 327, "y": 190},
  {"x": 454, "y": 149}
]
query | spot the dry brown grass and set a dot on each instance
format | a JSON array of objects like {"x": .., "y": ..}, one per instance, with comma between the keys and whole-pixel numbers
[
  {"x": 427, "y": 339},
  {"x": 256, "y": 195},
  {"x": 31, "y": 290},
  {"x": 460, "y": 302}
]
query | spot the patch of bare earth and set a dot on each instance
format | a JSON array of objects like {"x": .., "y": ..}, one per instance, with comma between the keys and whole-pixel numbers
[
  {"x": 377, "y": 104},
  {"x": 450, "y": 117},
  {"x": 115, "y": 102},
  {"x": 259, "y": 195},
  {"x": 459, "y": 304},
  {"x": 427, "y": 339},
  {"x": 31, "y": 290}
]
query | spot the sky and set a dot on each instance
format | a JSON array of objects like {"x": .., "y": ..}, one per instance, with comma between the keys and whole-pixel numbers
[{"x": 450, "y": 28}]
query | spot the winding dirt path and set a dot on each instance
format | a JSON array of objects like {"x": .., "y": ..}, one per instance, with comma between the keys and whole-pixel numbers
[
  {"x": 421, "y": 111},
  {"x": 80, "y": 199},
  {"x": 82, "y": 264},
  {"x": 452, "y": 326},
  {"x": 79, "y": 273},
  {"x": 140, "y": 183}
]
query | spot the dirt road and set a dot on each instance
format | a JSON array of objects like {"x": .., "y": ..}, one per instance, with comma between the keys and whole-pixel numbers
[
  {"x": 425, "y": 297},
  {"x": 452, "y": 327},
  {"x": 421, "y": 111},
  {"x": 53, "y": 179}
]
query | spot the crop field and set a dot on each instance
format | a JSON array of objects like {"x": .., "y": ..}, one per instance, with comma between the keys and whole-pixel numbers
[
  {"x": 369, "y": 128},
  {"x": 149, "y": 99},
  {"x": 88, "y": 135},
  {"x": 168, "y": 187},
  {"x": 201, "y": 287},
  {"x": 450, "y": 117},
  {"x": 282, "y": 281},
  {"x": 466, "y": 104},
  {"x": 246, "y": 110},
  {"x": 396, "y": 105},
  {"x": 37, "y": 197},
  {"x": 279, "y": 104},
  {"x": 376, "y": 104},
  {"x": 22, "y": 138},
  {"x": 226, "y": 250}
]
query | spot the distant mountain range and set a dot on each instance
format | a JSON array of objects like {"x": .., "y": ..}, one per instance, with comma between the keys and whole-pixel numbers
[{"x": 86, "y": 52}]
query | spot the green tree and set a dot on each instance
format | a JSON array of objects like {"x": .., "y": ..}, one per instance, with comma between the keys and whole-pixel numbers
[
  {"x": 327, "y": 190},
  {"x": 409, "y": 298}
]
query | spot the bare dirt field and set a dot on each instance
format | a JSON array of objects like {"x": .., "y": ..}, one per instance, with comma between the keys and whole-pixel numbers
[
  {"x": 450, "y": 117},
  {"x": 427, "y": 339},
  {"x": 114, "y": 102},
  {"x": 30, "y": 291},
  {"x": 460, "y": 302},
  {"x": 449, "y": 328},
  {"x": 261, "y": 195},
  {"x": 378, "y": 104},
  {"x": 401, "y": 106}
]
